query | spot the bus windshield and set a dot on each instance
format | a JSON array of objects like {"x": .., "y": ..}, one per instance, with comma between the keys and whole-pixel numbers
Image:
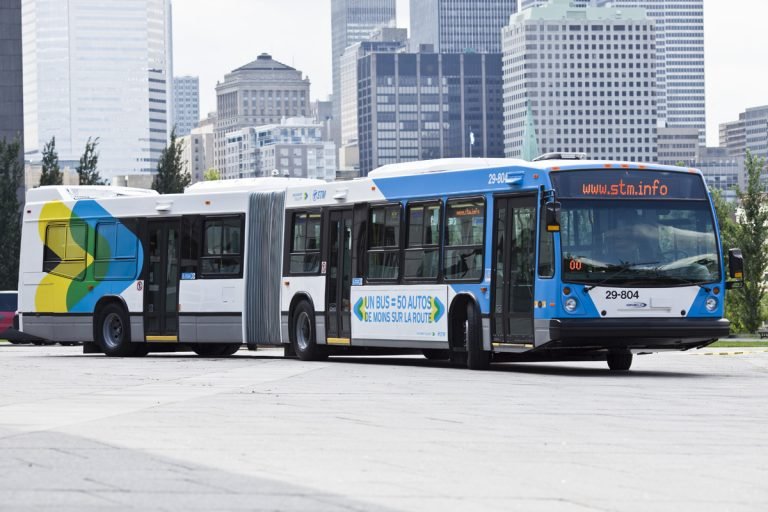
[{"x": 638, "y": 242}]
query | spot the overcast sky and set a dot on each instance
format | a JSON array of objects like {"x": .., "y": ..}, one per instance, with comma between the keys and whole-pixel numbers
[{"x": 212, "y": 38}]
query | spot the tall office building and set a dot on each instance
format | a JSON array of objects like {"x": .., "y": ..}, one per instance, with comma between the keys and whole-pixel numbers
[
  {"x": 588, "y": 75},
  {"x": 85, "y": 78},
  {"x": 420, "y": 106},
  {"x": 353, "y": 21},
  {"x": 750, "y": 132},
  {"x": 260, "y": 93},
  {"x": 387, "y": 40},
  {"x": 186, "y": 104},
  {"x": 11, "y": 97},
  {"x": 679, "y": 58},
  {"x": 458, "y": 26}
]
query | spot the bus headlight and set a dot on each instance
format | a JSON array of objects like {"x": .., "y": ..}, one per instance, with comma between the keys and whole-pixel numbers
[
  {"x": 711, "y": 304},
  {"x": 571, "y": 304}
]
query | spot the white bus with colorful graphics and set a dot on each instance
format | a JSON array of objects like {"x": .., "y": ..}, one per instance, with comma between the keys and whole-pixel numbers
[{"x": 472, "y": 260}]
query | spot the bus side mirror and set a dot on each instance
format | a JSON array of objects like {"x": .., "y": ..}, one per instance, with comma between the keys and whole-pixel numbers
[
  {"x": 736, "y": 264},
  {"x": 552, "y": 216}
]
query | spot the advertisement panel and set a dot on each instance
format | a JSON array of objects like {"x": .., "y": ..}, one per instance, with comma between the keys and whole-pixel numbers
[{"x": 400, "y": 313}]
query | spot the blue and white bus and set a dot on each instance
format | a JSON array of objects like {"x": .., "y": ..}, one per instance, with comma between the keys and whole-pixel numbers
[{"x": 472, "y": 260}]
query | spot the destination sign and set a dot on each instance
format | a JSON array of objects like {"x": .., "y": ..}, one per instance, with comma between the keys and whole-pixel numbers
[{"x": 628, "y": 184}]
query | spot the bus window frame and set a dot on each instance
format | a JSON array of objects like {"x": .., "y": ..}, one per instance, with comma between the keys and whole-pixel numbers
[
  {"x": 288, "y": 246},
  {"x": 390, "y": 249},
  {"x": 483, "y": 246},
  {"x": 67, "y": 225},
  {"x": 542, "y": 231},
  {"x": 422, "y": 248},
  {"x": 205, "y": 219}
]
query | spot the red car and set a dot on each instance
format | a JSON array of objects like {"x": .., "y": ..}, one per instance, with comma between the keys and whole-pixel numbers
[
  {"x": 8, "y": 316},
  {"x": 9, "y": 319}
]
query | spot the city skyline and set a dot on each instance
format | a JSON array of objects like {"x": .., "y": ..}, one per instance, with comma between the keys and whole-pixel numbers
[{"x": 732, "y": 42}]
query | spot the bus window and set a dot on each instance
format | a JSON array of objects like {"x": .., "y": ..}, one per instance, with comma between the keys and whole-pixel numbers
[
  {"x": 305, "y": 243},
  {"x": 116, "y": 252},
  {"x": 64, "y": 251},
  {"x": 222, "y": 253},
  {"x": 423, "y": 247},
  {"x": 465, "y": 227},
  {"x": 384, "y": 242},
  {"x": 546, "y": 248}
]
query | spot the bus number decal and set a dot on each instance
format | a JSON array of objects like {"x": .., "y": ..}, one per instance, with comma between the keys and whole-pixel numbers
[
  {"x": 496, "y": 178},
  {"x": 623, "y": 294}
]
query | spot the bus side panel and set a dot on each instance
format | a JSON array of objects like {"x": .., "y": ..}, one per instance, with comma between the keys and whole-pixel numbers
[{"x": 62, "y": 277}]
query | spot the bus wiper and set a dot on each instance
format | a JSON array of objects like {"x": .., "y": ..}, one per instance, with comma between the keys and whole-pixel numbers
[
  {"x": 623, "y": 267},
  {"x": 681, "y": 279}
]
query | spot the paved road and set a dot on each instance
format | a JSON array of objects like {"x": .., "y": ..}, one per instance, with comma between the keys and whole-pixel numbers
[{"x": 257, "y": 432}]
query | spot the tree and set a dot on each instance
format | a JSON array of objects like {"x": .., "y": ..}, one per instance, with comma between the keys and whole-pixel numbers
[
  {"x": 212, "y": 175},
  {"x": 172, "y": 176},
  {"x": 750, "y": 234},
  {"x": 86, "y": 169},
  {"x": 11, "y": 177},
  {"x": 51, "y": 174}
]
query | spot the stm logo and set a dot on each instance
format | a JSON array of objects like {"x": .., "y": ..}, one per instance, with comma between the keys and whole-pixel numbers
[
  {"x": 318, "y": 195},
  {"x": 637, "y": 305}
]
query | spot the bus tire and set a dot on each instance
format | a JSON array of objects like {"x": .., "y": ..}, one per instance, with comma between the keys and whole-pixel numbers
[
  {"x": 113, "y": 332},
  {"x": 436, "y": 354},
  {"x": 303, "y": 335},
  {"x": 477, "y": 357},
  {"x": 215, "y": 349},
  {"x": 619, "y": 361}
]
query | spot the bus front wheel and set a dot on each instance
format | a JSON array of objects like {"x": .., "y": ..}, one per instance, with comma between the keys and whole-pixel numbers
[
  {"x": 303, "y": 336},
  {"x": 619, "y": 361}
]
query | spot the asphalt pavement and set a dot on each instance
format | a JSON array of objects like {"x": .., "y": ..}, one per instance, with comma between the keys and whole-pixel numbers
[{"x": 681, "y": 431}]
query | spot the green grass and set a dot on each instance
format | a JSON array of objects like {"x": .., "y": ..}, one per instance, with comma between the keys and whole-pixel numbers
[{"x": 739, "y": 344}]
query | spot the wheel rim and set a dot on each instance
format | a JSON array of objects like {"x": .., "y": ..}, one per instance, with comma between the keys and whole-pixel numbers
[
  {"x": 112, "y": 330},
  {"x": 303, "y": 331}
]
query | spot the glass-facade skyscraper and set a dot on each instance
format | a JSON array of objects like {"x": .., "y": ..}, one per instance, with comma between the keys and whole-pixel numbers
[
  {"x": 353, "y": 21},
  {"x": 98, "y": 69},
  {"x": 458, "y": 26},
  {"x": 422, "y": 106}
]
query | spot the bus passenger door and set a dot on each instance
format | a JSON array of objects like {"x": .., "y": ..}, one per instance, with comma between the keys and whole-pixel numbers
[
  {"x": 339, "y": 278},
  {"x": 514, "y": 256},
  {"x": 161, "y": 291}
]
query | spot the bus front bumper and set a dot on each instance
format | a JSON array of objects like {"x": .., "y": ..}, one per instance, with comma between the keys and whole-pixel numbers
[{"x": 635, "y": 333}]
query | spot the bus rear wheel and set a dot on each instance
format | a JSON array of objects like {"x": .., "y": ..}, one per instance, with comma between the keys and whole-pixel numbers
[
  {"x": 113, "y": 332},
  {"x": 215, "y": 349},
  {"x": 303, "y": 336},
  {"x": 619, "y": 361}
]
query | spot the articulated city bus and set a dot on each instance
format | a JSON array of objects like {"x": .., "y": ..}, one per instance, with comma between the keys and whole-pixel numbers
[{"x": 472, "y": 260}]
